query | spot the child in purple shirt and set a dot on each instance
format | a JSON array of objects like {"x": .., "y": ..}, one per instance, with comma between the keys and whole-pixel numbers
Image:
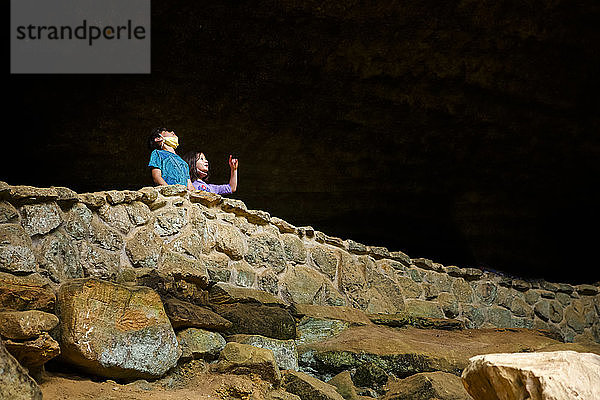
[{"x": 199, "y": 172}]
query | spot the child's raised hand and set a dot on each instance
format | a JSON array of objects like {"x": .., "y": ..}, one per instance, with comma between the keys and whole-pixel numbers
[{"x": 233, "y": 163}]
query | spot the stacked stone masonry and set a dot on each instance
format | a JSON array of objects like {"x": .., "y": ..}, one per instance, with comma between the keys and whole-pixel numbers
[{"x": 123, "y": 236}]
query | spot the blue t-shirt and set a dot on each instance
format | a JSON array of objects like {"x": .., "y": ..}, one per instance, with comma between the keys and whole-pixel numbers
[{"x": 174, "y": 170}]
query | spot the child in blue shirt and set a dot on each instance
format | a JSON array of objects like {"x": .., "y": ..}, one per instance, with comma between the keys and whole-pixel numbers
[{"x": 167, "y": 167}]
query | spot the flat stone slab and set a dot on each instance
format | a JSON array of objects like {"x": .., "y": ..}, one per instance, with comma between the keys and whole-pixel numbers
[
  {"x": 401, "y": 319},
  {"x": 258, "y": 319},
  {"x": 187, "y": 315},
  {"x": 30, "y": 292},
  {"x": 22, "y": 325},
  {"x": 406, "y": 351},
  {"x": 224, "y": 293}
]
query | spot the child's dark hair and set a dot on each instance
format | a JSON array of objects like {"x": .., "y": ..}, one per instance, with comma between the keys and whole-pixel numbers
[
  {"x": 190, "y": 158},
  {"x": 153, "y": 144}
]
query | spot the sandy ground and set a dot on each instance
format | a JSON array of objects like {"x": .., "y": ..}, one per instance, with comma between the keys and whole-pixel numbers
[{"x": 189, "y": 382}]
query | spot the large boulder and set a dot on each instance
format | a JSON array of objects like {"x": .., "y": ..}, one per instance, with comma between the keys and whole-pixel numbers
[
  {"x": 561, "y": 375},
  {"x": 114, "y": 330},
  {"x": 15, "y": 383}
]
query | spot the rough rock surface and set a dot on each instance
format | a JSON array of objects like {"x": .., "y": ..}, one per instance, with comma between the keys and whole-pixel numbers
[
  {"x": 561, "y": 375},
  {"x": 199, "y": 343},
  {"x": 29, "y": 292},
  {"x": 223, "y": 253},
  {"x": 187, "y": 315},
  {"x": 340, "y": 313},
  {"x": 16, "y": 255},
  {"x": 223, "y": 293},
  {"x": 284, "y": 351},
  {"x": 115, "y": 331},
  {"x": 403, "y": 319},
  {"x": 311, "y": 329},
  {"x": 35, "y": 352},
  {"x": 15, "y": 384},
  {"x": 238, "y": 358},
  {"x": 344, "y": 385},
  {"x": 308, "y": 387},
  {"x": 22, "y": 325},
  {"x": 426, "y": 386},
  {"x": 258, "y": 319},
  {"x": 406, "y": 351}
]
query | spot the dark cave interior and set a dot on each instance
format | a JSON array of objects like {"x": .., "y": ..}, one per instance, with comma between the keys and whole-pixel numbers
[{"x": 464, "y": 132}]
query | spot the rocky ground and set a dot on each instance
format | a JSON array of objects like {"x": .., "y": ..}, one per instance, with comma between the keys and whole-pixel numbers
[
  {"x": 197, "y": 384},
  {"x": 113, "y": 341},
  {"x": 444, "y": 353}
]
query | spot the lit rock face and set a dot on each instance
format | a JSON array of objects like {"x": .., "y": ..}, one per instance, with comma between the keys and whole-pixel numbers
[
  {"x": 239, "y": 358},
  {"x": 115, "y": 331},
  {"x": 560, "y": 375},
  {"x": 14, "y": 381}
]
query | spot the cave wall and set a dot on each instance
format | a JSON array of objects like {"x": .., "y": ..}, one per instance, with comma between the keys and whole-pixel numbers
[
  {"x": 471, "y": 124},
  {"x": 195, "y": 239}
]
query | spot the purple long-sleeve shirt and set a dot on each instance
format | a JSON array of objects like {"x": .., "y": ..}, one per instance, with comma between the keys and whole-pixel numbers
[{"x": 209, "y": 187}]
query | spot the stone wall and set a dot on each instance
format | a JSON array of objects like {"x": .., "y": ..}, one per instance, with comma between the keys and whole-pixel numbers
[{"x": 126, "y": 236}]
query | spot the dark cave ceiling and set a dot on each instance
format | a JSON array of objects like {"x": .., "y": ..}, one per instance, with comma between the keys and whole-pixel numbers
[{"x": 465, "y": 132}]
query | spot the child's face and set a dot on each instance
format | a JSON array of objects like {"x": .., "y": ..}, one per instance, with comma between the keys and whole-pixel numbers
[
  {"x": 202, "y": 165},
  {"x": 168, "y": 134},
  {"x": 168, "y": 138}
]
